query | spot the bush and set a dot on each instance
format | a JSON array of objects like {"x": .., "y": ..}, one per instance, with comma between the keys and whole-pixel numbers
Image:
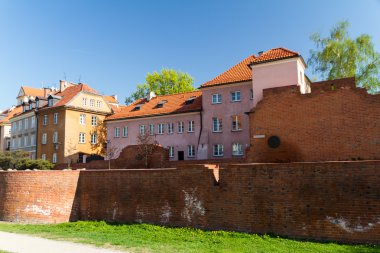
[
  {"x": 28, "y": 164},
  {"x": 8, "y": 160}
]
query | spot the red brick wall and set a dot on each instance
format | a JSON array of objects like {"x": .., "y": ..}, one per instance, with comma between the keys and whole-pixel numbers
[
  {"x": 38, "y": 196},
  {"x": 337, "y": 201},
  {"x": 338, "y": 122}
]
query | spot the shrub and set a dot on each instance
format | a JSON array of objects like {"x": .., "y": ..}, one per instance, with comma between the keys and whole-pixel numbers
[
  {"x": 8, "y": 160},
  {"x": 28, "y": 164}
]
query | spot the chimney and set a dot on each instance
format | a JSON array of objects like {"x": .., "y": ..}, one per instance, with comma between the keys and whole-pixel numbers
[
  {"x": 151, "y": 95},
  {"x": 114, "y": 96},
  {"x": 46, "y": 91},
  {"x": 62, "y": 85}
]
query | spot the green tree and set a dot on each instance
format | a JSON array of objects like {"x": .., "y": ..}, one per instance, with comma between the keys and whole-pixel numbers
[
  {"x": 338, "y": 56},
  {"x": 167, "y": 81}
]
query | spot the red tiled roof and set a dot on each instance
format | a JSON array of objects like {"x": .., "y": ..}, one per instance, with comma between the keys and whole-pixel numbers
[
  {"x": 71, "y": 92},
  {"x": 175, "y": 103},
  {"x": 242, "y": 72},
  {"x": 17, "y": 110},
  {"x": 111, "y": 99},
  {"x": 30, "y": 91}
]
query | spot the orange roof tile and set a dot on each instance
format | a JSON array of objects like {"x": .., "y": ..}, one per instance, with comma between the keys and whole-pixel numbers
[
  {"x": 175, "y": 103},
  {"x": 17, "y": 110},
  {"x": 242, "y": 72},
  {"x": 35, "y": 92},
  {"x": 71, "y": 92},
  {"x": 111, "y": 99}
]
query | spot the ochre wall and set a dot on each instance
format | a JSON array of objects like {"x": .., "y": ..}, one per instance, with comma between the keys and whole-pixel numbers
[
  {"x": 337, "y": 201},
  {"x": 335, "y": 122}
]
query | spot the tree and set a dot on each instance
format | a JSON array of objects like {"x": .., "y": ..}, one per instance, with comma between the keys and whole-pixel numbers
[
  {"x": 146, "y": 147},
  {"x": 168, "y": 81},
  {"x": 111, "y": 152},
  {"x": 338, "y": 56}
]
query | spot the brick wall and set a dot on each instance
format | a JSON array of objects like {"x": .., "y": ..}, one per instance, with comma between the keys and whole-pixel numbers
[
  {"x": 337, "y": 201},
  {"x": 335, "y": 122}
]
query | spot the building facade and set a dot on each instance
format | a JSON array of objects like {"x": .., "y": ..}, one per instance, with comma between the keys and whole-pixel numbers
[
  {"x": 5, "y": 127},
  {"x": 70, "y": 125},
  {"x": 171, "y": 121}
]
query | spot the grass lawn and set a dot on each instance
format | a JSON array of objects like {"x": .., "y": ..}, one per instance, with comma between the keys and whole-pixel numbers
[{"x": 149, "y": 238}]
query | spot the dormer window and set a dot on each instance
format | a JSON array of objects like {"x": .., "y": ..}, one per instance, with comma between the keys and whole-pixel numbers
[
  {"x": 137, "y": 107},
  {"x": 161, "y": 103},
  {"x": 50, "y": 102},
  {"x": 30, "y": 106},
  {"x": 190, "y": 100},
  {"x": 37, "y": 103}
]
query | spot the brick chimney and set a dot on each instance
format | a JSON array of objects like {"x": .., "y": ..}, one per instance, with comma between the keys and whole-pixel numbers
[{"x": 64, "y": 84}]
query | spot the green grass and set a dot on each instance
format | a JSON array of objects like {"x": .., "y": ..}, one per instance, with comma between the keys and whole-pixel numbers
[{"x": 149, "y": 238}]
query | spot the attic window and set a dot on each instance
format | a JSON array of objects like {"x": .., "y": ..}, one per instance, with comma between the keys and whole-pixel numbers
[
  {"x": 190, "y": 100},
  {"x": 161, "y": 103},
  {"x": 137, "y": 107},
  {"x": 50, "y": 102}
]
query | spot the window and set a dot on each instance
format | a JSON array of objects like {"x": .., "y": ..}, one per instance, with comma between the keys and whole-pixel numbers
[
  {"x": 217, "y": 98},
  {"x": 125, "y": 131},
  {"x": 33, "y": 140},
  {"x": 26, "y": 124},
  {"x": 25, "y": 141},
  {"x": 117, "y": 132},
  {"x": 191, "y": 126},
  {"x": 94, "y": 138},
  {"x": 30, "y": 106},
  {"x": 14, "y": 127},
  {"x": 236, "y": 122},
  {"x": 170, "y": 128},
  {"x": 99, "y": 104},
  {"x": 190, "y": 151},
  {"x": 50, "y": 102},
  {"x": 235, "y": 96},
  {"x": 44, "y": 138},
  {"x": 43, "y": 156},
  {"x": 92, "y": 102},
  {"x": 180, "y": 127},
  {"x": 142, "y": 129},
  {"x": 160, "y": 128},
  {"x": 237, "y": 149},
  {"x": 171, "y": 151},
  {"x": 251, "y": 94},
  {"x": 84, "y": 101},
  {"x": 45, "y": 120},
  {"x": 19, "y": 125},
  {"x": 13, "y": 143},
  {"x": 55, "y": 118},
  {"x": 54, "y": 160},
  {"x": 218, "y": 150},
  {"x": 216, "y": 125},
  {"x": 151, "y": 129},
  {"x": 37, "y": 103},
  {"x": 82, "y": 137},
  {"x": 190, "y": 100},
  {"x": 55, "y": 137},
  {"x": 82, "y": 119},
  {"x": 33, "y": 122},
  {"x": 94, "y": 120},
  {"x": 19, "y": 142}
]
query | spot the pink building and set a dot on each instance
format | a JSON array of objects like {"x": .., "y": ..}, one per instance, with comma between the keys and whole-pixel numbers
[
  {"x": 219, "y": 111},
  {"x": 172, "y": 121}
]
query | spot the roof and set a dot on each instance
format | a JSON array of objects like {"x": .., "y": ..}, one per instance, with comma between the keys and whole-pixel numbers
[
  {"x": 30, "y": 91},
  {"x": 175, "y": 103},
  {"x": 242, "y": 72},
  {"x": 17, "y": 110},
  {"x": 71, "y": 92},
  {"x": 111, "y": 99}
]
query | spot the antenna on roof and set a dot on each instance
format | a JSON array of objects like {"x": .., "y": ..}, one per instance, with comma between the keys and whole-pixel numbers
[
  {"x": 79, "y": 79},
  {"x": 64, "y": 76}
]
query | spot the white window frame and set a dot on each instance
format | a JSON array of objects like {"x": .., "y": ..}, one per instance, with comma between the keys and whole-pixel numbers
[
  {"x": 43, "y": 157},
  {"x": 217, "y": 125},
  {"x": 170, "y": 128},
  {"x": 50, "y": 102},
  {"x": 45, "y": 120},
  {"x": 99, "y": 104},
  {"x": 19, "y": 125},
  {"x": 84, "y": 101},
  {"x": 82, "y": 119},
  {"x": 44, "y": 138},
  {"x": 33, "y": 140},
  {"x": 33, "y": 122},
  {"x": 218, "y": 150},
  {"x": 55, "y": 137},
  {"x": 55, "y": 119},
  {"x": 125, "y": 131},
  {"x": 235, "y": 96},
  {"x": 82, "y": 138},
  {"x": 92, "y": 102},
  {"x": 216, "y": 99},
  {"x": 94, "y": 120},
  {"x": 181, "y": 127},
  {"x": 235, "y": 123},
  {"x": 171, "y": 151},
  {"x": 94, "y": 139},
  {"x": 190, "y": 128},
  {"x": 190, "y": 151},
  {"x": 25, "y": 141},
  {"x": 26, "y": 124},
  {"x": 160, "y": 128},
  {"x": 151, "y": 129},
  {"x": 117, "y": 132},
  {"x": 54, "y": 159},
  {"x": 237, "y": 149},
  {"x": 142, "y": 129}
]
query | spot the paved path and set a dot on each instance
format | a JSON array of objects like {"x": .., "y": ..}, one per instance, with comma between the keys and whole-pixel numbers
[{"x": 28, "y": 244}]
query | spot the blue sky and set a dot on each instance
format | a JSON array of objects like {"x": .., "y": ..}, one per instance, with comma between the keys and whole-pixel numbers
[{"x": 111, "y": 45}]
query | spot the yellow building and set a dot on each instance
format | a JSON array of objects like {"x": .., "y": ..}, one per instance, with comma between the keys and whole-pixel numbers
[{"x": 70, "y": 124}]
